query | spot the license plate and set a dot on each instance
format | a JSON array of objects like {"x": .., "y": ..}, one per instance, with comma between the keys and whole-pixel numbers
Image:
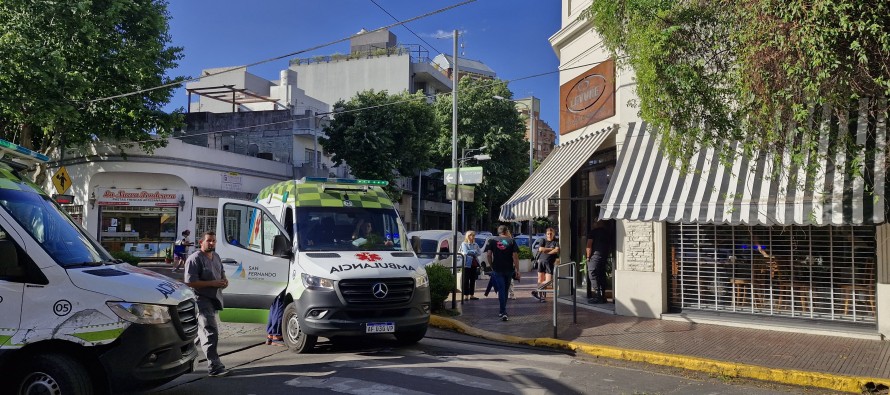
[{"x": 380, "y": 327}]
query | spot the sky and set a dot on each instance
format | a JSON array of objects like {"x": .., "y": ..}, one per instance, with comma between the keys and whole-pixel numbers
[{"x": 510, "y": 36}]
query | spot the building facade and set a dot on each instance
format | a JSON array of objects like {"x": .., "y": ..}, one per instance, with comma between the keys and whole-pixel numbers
[
  {"x": 140, "y": 203},
  {"x": 722, "y": 244}
]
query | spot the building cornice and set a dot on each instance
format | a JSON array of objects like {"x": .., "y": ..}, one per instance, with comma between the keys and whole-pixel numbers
[
  {"x": 179, "y": 162},
  {"x": 567, "y": 34}
]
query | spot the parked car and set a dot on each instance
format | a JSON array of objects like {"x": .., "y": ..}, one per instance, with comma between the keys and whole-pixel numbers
[
  {"x": 435, "y": 246},
  {"x": 521, "y": 240}
]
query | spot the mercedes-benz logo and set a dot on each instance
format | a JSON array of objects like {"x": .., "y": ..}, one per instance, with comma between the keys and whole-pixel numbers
[{"x": 379, "y": 290}]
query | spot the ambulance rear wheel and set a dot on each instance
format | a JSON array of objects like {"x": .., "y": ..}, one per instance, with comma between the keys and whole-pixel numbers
[
  {"x": 54, "y": 374},
  {"x": 297, "y": 341}
]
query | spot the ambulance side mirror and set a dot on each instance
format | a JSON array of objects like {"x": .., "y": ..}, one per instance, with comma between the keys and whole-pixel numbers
[
  {"x": 415, "y": 244},
  {"x": 281, "y": 247}
]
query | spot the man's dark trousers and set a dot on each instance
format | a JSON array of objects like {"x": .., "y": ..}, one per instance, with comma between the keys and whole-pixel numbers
[{"x": 597, "y": 270}]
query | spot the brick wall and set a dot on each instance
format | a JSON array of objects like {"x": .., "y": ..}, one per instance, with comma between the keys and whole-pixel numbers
[{"x": 639, "y": 247}]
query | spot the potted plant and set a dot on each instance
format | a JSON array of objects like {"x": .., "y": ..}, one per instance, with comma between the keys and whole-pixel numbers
[{"x": 168, "y": 255}]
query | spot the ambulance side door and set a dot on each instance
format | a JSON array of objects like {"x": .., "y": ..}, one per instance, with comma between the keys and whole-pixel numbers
[
  {"x": 12, "y": 284},
  {"x": 256, "y": 252}
]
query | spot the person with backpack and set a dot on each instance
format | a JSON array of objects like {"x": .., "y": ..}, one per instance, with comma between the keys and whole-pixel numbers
[
  {"x": 504, "y": 257},
  {"x": 180, "y": 250}
]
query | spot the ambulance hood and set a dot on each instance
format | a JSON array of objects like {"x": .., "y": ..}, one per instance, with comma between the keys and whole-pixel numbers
[
  {"x": 360, "y": 264},
  {"x": 128, "y": 283}
]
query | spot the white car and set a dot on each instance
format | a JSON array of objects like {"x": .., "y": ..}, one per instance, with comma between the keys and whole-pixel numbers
[{"x": 435, "y": 246}]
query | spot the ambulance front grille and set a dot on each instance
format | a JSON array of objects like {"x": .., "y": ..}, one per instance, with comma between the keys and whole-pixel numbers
[
  {"x": 361, "y": 292},
  {"x": 187, "y": 318}
]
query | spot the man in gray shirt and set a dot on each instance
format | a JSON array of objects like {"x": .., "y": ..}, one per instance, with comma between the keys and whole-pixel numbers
[{"x": 204, "y": 273}]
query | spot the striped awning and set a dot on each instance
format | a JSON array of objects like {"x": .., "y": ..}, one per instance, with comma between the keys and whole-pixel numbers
[
  {"x": 646, "y": 187},
  {"x": 531, "y": 199}
]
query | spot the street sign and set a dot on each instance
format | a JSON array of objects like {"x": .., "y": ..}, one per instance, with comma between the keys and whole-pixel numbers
[
  {"x": 467, "y": 192},
  {"x": 61, "y": 180},
  {"x": 468, "y": 175}
]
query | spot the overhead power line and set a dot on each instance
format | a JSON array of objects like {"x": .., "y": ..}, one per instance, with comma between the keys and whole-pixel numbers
[
  {"x": 377, "y": 106},
  {"x": 291, "y": 54},
  {"x": 406, "y": 27}
]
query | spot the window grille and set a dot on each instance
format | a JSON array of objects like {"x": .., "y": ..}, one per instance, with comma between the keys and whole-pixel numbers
[
  {"x": 814, "y": 272},
  {"x": 205, "y": 221},
  {"x": 76, "y": 213}
]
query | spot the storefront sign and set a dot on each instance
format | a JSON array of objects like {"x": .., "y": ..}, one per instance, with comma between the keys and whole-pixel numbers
[
  {"x": 137, "y": 197},
  {"x": 588, "y": 98},
  {"x": 230, "y": 181}
]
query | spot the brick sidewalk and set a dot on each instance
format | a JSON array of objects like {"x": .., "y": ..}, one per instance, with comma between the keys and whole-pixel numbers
[{"x": 766, "y": 348}]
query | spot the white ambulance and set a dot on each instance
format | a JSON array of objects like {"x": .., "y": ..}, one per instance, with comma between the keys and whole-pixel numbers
[
  {"x": 72, "y": 319},
  {"x": 339, "y": 252}
]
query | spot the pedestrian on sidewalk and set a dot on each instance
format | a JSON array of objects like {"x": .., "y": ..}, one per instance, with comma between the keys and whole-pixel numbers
[
  {"x": 204, "y": 273},
  {"x": 180, "y": 250},
  {"x": 504, "y": 257},
  {"x": 470, "y": 271},
  {"x": 548, "y": 252},
  {"x": 273, "y": 326},
  {"x": 510, "y": 293},
  {"x": 599, "y": 247}
]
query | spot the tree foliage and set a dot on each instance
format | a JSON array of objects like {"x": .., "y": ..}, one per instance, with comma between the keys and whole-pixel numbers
[
  {"x": 752, "y": 71},
  {"x": 56, "y": 56},
  {"x": 485, "y": 121},
  {"x": 381, "y": 136}
]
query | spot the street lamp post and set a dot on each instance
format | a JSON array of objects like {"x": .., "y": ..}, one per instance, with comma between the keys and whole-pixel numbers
[{"x": 531, "y": 141}]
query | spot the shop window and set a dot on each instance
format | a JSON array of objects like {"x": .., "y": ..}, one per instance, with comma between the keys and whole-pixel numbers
[
  {"x": 142, "y": 231},
  {"x": 824, "y": 272}
]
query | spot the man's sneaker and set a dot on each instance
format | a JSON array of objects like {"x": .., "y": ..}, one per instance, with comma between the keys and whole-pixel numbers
[
  {"x": 220, "y": 373},
  {"x": 504, "y": 317},
  {"x": 535, "y": 295}
]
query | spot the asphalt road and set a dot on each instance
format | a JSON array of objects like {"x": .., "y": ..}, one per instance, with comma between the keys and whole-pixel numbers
[{"x": 446, "y": 363}]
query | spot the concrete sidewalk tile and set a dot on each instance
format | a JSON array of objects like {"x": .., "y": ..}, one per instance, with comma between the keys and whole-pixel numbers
[{"x": 837, "y": 363}]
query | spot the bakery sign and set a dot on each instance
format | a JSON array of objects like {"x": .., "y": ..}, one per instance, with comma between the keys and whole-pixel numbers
[
  {"x": 588, "y": 98},
  {"x": 137, "y": 197}
]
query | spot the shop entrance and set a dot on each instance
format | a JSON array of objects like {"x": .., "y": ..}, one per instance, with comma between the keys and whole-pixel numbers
[{"x": 589, "y": 186}]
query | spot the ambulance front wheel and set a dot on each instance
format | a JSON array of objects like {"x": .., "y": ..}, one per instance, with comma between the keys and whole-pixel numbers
[
  {"x": 410, "y": 337},
  {"x": 297, "y": 341},
  {"x": 54, "y": 374}
]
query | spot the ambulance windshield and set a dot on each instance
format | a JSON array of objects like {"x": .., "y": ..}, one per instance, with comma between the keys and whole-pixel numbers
[
  {"x": 64, "y": 241},
  {"x": 349, "y": 228}
]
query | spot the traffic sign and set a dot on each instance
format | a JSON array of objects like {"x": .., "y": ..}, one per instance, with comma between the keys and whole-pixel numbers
[
  {"x": 61, "y": 180},
  {"x": 467, "y": 193},
  {"x": 468, "y": 175}
]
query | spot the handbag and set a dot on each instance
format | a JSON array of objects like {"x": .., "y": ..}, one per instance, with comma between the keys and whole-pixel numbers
[{"x": 474, "y": 262}]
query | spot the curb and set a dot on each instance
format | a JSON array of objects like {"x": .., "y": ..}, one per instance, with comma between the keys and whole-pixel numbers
[{"x": 835, "y": 382}]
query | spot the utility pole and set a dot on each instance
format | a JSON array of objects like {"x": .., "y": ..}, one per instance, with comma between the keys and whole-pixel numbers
[
  {"x": 455, "y": 165},
  {"x": 531, "y": 154}
]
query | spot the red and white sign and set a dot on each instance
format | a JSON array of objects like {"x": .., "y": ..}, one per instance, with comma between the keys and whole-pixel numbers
[{"x": 137, "y": 197}]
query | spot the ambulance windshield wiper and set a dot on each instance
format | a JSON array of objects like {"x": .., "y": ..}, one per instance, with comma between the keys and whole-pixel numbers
[{"x": 85, "y": 264}]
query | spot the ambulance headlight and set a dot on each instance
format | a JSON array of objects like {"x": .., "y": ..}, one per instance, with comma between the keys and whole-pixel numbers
[
  {"x": 421, "y": 281},
  {"x": 140, "y": 313},
  {"x": 312, "y": 282}
]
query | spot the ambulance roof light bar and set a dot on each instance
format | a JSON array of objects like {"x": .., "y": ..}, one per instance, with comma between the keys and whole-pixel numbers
[
  {"x": 21, "y": 153},
  {"x": 346, "y": 181}
]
